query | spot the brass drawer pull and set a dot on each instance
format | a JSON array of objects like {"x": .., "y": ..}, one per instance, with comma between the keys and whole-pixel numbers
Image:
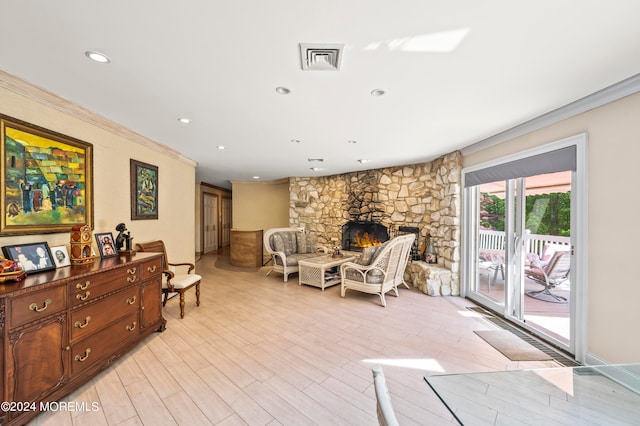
[
  {"x": 151, "y": 269},
  {"x": 83, "y": 358},
  {"x": 131, "y": 301},
  {"x": 132, "y": 270},
  {"x": 132, "y": 279},
  {"x": 83, "y": 287},
  {"x": 85, "y": 297},
  {"x": 35, "y": 308},
  {"x": 83, "y": 325},
  {"x": 131, "y": 327}
]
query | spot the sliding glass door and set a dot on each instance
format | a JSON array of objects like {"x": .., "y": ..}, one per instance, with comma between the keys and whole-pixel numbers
[{"x": 520, "y": 255}]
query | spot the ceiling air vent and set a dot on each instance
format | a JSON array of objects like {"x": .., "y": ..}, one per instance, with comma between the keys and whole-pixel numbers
[{"x": 324, "y": 57}]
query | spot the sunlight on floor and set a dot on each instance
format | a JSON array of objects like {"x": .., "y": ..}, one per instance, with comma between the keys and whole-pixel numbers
[{"x": 559, "y": 326}]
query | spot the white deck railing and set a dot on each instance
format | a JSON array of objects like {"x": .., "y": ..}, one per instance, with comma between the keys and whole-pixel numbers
[{"x": 494, "y": 240}]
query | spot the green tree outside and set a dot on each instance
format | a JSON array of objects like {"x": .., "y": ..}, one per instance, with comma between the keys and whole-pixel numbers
[{"x": 546, "y": 214}]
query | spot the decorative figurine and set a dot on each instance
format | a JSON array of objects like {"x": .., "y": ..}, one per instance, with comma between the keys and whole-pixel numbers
[
  {"x": 124, "y": 238},
  {"x": 336, "y": 251}
]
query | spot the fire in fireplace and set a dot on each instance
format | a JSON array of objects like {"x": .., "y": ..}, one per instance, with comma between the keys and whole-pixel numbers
[{"x": 357, "y": 235}]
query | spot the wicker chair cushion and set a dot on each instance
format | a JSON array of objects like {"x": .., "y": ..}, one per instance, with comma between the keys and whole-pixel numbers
[
  {"x": 375, "y": 276},
  {"x": 306, "y": 242},
  {"x": 367, "y": 256},
  {"x": 292, "y": 259},
  {"x": 284, "y": 242}
]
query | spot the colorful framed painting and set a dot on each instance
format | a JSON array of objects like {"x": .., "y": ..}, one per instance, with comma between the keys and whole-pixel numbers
[
  {"x": 46, "y": 180},
  {"x": 144, "y": 191}
]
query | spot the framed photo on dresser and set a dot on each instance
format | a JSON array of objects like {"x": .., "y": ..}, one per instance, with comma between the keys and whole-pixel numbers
[
  {"x": 32, "y": 257},
  {"x": 106, "y": 245}
]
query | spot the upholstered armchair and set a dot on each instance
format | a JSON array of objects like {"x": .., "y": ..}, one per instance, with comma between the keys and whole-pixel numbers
[{"x": 174, "y": 278}]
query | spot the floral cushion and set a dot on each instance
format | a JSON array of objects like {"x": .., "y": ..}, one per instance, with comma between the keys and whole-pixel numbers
[
  {"x": 284, "y": 242},
  {"x": 367, "y": 256},
  {"x": 277, "y": 243},
  {"x": 374, "y": 276},
  {"x": 306, "y": 242}
]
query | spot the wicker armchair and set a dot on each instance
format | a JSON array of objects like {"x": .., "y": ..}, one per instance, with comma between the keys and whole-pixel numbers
[
  {"x": 385, "y": 271},
  {"x": 289, "y": 245}
]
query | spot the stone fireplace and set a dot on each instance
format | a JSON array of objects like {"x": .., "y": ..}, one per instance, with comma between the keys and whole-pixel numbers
[
  {"x": 358, "y": 235},
  {"x": 426, "y": 196}
]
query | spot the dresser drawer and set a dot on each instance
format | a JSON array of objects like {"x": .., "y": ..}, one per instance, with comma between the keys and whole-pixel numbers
[
  {"x": 35, "y": 305},
  {"x": 93, "y": 317},
  {"x": 104, "y": 343},
  {"x": 151, "y": 268},
  {"x": 88, "y": 289}
]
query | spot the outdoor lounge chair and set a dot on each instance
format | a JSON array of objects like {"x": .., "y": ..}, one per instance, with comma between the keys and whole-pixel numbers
[{"x": 554, "y": 273}]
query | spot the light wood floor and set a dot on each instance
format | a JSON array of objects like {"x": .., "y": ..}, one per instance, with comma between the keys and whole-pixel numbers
[{"x": 259, "y": 351}]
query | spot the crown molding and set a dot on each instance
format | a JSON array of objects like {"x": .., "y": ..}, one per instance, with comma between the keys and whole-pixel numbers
[
  {"x": 37, "y": 94},
  {"x": 602, "y": 97}
]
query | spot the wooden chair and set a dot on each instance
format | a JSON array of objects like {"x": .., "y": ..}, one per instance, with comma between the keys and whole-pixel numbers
[
  {"x": 173, "y": 282},
  {"x": 384, "y": 409}
]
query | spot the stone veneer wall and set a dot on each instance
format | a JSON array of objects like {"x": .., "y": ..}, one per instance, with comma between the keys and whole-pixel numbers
[{"x": 425, "y": 195}]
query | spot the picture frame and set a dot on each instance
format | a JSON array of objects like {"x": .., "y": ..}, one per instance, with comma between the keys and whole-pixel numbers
[
  {"x": 32, "y": 257},
  {"x": 60, "y": 256},
  {"x": 46, "y": 182},
  {"x": 144, "y": 190},
  {"x": 106, "y": 244}
]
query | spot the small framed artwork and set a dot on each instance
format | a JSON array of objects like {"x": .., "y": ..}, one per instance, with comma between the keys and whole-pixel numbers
[
  {"x": 106, "y": 245},
  {"x": 60, "y": 256},
  {"x": 32, "y": 257},
  {"x": 144, "y": 190}
]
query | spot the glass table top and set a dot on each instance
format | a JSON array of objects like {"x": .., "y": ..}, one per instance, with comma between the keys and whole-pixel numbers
[{"x": 592, "y": 395}]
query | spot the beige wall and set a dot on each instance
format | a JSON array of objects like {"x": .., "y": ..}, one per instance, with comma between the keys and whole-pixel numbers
[
  {"x": 613, "y": 152},
  {"x": 260, "y": 205},
  {"x": 111, "y": 180}
]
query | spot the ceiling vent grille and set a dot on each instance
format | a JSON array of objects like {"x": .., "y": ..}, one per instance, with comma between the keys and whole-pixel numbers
[{"x": 321, "y": 57}]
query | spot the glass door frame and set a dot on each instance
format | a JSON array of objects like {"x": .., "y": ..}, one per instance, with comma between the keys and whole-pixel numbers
[{"x": 579, "y": 228}]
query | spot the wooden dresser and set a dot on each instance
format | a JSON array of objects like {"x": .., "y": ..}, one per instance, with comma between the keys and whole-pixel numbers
[{"x": 60, "y": 328}]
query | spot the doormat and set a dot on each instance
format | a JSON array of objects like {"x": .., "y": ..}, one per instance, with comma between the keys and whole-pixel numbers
[
  {"x": 512, "y": 346},
  {"x": 556, "y": 355}
]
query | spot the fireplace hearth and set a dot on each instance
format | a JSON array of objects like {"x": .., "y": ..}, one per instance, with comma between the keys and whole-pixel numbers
[{"x": 358, "y": 235}]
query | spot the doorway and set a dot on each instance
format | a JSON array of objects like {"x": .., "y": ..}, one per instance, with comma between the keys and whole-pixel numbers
[
  {"x": 210, "y": 221},
  {"x": 523, "y": 238}
]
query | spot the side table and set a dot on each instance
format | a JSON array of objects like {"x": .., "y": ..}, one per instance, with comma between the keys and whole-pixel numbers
[{"x": 318, "y": 271}]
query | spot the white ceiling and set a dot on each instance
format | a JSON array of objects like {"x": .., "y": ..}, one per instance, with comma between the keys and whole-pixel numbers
[{"x": 454, "y": 73}]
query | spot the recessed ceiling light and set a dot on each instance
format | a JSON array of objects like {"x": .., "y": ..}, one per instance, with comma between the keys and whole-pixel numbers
[
  {"x": 97, "y": 56},
  {"x": 352, "y": 141},
  {"x": 363, "y": 160},
  {"x": 377, "y": 92},
  {"x": 282, "y": 90},
  {"x": 220, "y": 147},
  {"x": 319, "y": 160},
  {"x": 295, "y": 140},
  {"x": 184, "y": 120},
  {"x": 315, "y": 169},
  {"x": 256, "y": 177}
]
